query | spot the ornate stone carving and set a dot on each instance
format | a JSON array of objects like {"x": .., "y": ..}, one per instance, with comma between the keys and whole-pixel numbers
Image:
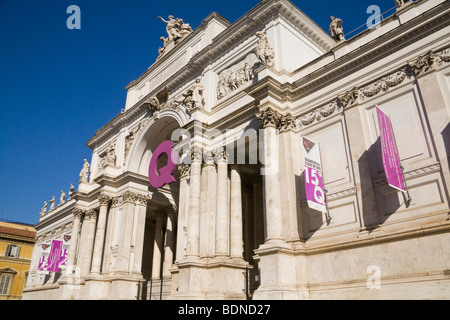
[
  {"x": 264, "y": 51},
  {"x": 153, "y": 104},
  {"x": 318, "y": 114},
  {"x": 336, "y": 29},
  {"x": 116, "y": 201},
  {"x": 78, "y": 213},
  {"x": 84, "y": 173},
  {"x": 269, "y": 118},
  {"x": 221, "y": 154},
  {"x": 423, "y": 63},
  {"x": 142, "y": 199},
  {"x": 235, "y": 77},
  {"x": 104, "y": 200},
  {"x": 287, "y": 123},
  {"x": 129, "y": 196},
  {"x": 349, "y": 98},
  {"x": 196, "y": 154},
  {"x": 442, "y": 57},
  {"x": 71, "y": 190},
  {"x": 91, "y": 214},
  {"x": 383, "y": 84},
  {"x": 184, "y": 170},
  {"x": 109, "y": 158}
]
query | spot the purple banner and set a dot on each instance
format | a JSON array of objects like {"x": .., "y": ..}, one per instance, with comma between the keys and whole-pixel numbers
[
  {"x": 314, "y": 186},
  {"x": 55, "y": 257},
  {"x": 391, "y": 159}
]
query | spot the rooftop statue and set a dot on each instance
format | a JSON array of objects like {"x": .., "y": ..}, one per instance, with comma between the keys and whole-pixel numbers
[
  {"x": 336, "y": 29},
  {"x": 176, "y": 29}
]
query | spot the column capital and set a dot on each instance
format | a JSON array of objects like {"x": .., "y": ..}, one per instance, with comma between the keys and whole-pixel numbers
[
  {"x": 116, "y": 201},
  {"x": 91, "y": 214},
  {"x": 130, "y": 197},
  {"x": 184, "y": 170},
  {"x": 221, "y": 154},
  {"x": 269, "y": 118},
  {"x": 287, "y": 123},
  {"x": 142, "y": 199},
  {"x": 196, "y": 154},
  {"x": 104, "y": 200},
  {"x": 78, "y": 213}
]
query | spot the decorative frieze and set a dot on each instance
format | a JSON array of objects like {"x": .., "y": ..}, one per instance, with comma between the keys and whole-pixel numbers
[
  {"x": 349, "y": 98},
  {"x": 318, "y": 114},
  {"x": 383, "y": 84},
  {"x": 442, "y": 57},
  {"x": 422, "y": 64}
]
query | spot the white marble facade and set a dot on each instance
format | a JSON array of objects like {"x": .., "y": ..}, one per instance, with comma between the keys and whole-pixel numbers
[{"x": 273, "y": 69}]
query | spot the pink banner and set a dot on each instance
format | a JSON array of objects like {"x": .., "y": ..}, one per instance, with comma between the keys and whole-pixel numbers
[
  {"x": 391, "y": 159},
  {"x": 56, "y": 254},
  {"x": 314, "y": 186}
]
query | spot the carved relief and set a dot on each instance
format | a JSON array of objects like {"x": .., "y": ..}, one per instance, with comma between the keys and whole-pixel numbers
[
  {"x": 109, "y": 158},
  {"x": 235, "y": 77},
  {"x": 317, "y": 114},
  {"x": 264, "y": 51},
  {"x": 349, "y": 98},
  {"x": 422, "y": 64},
  {"x": 383, "y": 84},
  {"x": 442, "y": 57}
]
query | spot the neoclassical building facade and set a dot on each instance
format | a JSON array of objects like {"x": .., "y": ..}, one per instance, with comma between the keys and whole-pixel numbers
[{"x": 237, "y": 100}]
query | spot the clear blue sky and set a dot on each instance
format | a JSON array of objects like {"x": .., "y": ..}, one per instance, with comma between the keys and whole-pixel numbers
[{"x": 58, "y": 86}]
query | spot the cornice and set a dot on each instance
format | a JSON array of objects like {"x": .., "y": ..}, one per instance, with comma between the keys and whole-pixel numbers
[{"x": 379, "y": 48}]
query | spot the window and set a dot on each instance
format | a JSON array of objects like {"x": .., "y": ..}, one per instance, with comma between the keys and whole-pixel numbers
[
  {"x": 12, "y": 251},
  {"x": 5, "y": 281}
]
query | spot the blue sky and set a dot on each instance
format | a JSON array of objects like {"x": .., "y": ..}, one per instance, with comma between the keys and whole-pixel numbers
[{"x": 58, "y": 86}]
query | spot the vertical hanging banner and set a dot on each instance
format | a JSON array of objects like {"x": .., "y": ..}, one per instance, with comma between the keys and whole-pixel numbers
[
  {"x": 42, "y": 265},
  {"x": 314, "y": 187},
  {"x": 55, "y": 256},
  {"x": 391, "y": 159}
]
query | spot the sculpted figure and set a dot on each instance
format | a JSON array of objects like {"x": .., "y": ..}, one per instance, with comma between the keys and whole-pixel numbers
[
  {"x": 336, "y": 29},
  {"x": 44, "y": 208},
  {"x": 176, "y": 29},
  {"x": 52, "y": 204},
  {"x": 84, "y": 173},
  {"x": 264, "y": 51},
  {"x": 197, "y": 93},
  {"x": 62, "y": 199},
  {"x": 71, "y": 190}
]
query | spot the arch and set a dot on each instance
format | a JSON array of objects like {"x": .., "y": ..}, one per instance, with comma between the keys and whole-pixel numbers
[{"x": 159, "y": 129}]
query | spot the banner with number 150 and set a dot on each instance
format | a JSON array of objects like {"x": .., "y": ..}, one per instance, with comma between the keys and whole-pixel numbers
[{"x": 314, "y": 187}]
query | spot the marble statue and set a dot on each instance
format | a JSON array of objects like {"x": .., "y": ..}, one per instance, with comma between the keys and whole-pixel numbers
[
  {"x": 336, "y": 29},
  {"x": 44, "y": 208},
  {"x": 264, "y": 51},
  {"x": 197, "y": 93},
  {"x": 84, "y": 173},
  {"x": 62, "y": 199},
  {"x": 52, "y": 204},
  {"x": 71, "y": 190},
  {"x": 176, "y": 29}
]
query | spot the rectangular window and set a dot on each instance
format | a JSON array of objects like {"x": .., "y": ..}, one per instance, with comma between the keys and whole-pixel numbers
[
  {"x": 12, "y": 251},
  {"x": 5, "y": 280}
]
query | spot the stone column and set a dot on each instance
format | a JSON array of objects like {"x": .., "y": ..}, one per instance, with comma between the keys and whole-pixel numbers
[
  {"x": 183, "y": 205},
  {"x": 288, "y": 190},
  {"x": 77, "y": 215},
  {"x": 208, "y": 208},
  {"x": 158, "y": 244},
  {"x": 236, "y": 242},
  {"x": 139, "y": 232},
  {"x": 124, "y": 250},
  {"x": 248, "y": 222},
  {"x": 270, "y": 171},
  {"x": 86, "y": 255},
  {"x": 100, "y": 234},
  {"x": 193, "y": 225},
  {"x": 169, "y": 246},
  {"x": 222, "y": 217}
]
